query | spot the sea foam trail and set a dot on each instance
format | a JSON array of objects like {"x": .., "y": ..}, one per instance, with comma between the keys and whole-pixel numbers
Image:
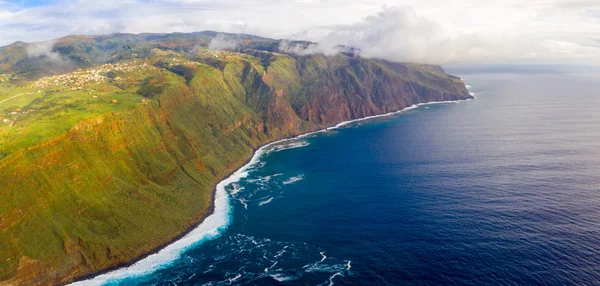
[
  {"x": 293, "y": 180},
  {"x": 291, "y": 145},
  {"x": 266, "y": 201},
  {"x": 216, "y": 223},
  {"x": 414, "y": 106}
]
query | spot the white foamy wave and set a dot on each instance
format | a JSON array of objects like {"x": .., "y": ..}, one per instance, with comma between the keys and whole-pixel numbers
[
  {"x": 293, "y": 180},
  {"x": 319, "y": 267},
  {"x": 209, "y": 268},
  {"x": 236, "y": 189},
  {"x": 338, "y": 269},
  {"x": 267, "y": 269},
  {"x": 243, "y": 202},
  {"x": 282, "y": 277},
  {"x": 281, "y": 252},
  {"x": 414, "y": 106},
  {"x": 332, "y": 277},
  {"x": 315, "y": 266},
  {"x": 323, "y": 255},
  {"x": 470, "y": 89},
  {"x": 288, "y": 145},
  {"x": 231, "y": 280},
  {"x": 190, "y": 278},
  {"x": 261, "y": 180},
  {"x": 266, "y": 201},
  {"x": 259, "y": 165}
]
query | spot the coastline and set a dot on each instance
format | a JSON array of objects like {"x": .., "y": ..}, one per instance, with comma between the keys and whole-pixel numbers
[
  {"x": 223, "y": 181},
  {"x": 161, "y": 246}
]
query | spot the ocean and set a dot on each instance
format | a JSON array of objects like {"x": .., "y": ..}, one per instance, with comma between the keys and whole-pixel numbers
[{"x": 504, "y": 189}]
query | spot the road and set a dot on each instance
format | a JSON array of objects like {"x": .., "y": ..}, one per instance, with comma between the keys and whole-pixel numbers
[{"x": 15, "y": 96}]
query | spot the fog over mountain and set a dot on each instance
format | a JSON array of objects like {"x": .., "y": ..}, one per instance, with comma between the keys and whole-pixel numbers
[{"x": 432, "y": 31}]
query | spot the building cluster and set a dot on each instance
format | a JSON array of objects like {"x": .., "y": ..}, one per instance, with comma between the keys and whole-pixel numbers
[
  {"x": 82, "y": 78},
  {"x": 18, "y": 111},
  {"x": 220, "y": 54},
  {"x": 13, "y": 114},
  {"x": 4, "y": 77},
  {"x": 76, "y": 80}
]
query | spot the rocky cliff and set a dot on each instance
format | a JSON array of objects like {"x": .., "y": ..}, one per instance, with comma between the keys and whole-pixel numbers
[{"x": 123, "y": 178}]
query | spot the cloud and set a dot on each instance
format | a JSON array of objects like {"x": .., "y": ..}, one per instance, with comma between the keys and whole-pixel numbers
[
  {"x": 43, "y": 49},
  {"x": 303, "y": 48},
  {"x": 436, "y": 31},
  {"x": 222, "y": 42},
  {"x": 397, "y": 34},
  {"x": 400, "y": 34}
]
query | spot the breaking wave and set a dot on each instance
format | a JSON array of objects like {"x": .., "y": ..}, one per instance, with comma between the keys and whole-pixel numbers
[
  {"x": 286, "y": 145},
  {"x": 470, "y": 89},
  {"x": 293, "y": 180},
  {"x": 266, "y": 201},
  {"x": 414, "y": 106},
  {"x": 282, "y": 277},
  {"x": 253, "y": 260},
  {"x": 236, "y": 188}
]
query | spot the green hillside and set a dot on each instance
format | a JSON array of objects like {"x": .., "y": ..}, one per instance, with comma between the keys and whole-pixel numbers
[{"x": 116, "y": 148}]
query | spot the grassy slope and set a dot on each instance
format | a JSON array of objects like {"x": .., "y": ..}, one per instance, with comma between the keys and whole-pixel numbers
[
  {"x": 87, "y": 184},
  {"x": 71, "y": 199}
]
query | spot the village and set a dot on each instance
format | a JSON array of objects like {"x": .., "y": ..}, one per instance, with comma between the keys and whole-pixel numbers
[
  {"x": 5, "y": 79},
  {"x": 78, "y": 80},
  {"x": 13, "y": 115},
  {"x": 82, "y": 79},
  {"x": 86, "y": 79},
  {"x": 220, "y": 54},
  {"x": 177, "y": 58}
]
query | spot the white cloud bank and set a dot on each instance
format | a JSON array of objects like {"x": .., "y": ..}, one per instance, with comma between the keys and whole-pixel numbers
[
  {"x": 432, "y": 31},
  {"x": 400, "y": 34},
  {"x": 220, "y": 42},
  {"x": 43, "y": 49}
]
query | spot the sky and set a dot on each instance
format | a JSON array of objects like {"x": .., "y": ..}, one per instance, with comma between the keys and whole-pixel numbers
[{"x": 429, "y": 31}]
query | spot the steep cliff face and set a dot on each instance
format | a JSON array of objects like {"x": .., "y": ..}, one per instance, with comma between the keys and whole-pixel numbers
[{"x": 118, "y": 185}]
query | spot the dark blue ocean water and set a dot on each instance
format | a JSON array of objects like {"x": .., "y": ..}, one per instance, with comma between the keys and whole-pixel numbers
[{"x": 504, "y": 189}]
